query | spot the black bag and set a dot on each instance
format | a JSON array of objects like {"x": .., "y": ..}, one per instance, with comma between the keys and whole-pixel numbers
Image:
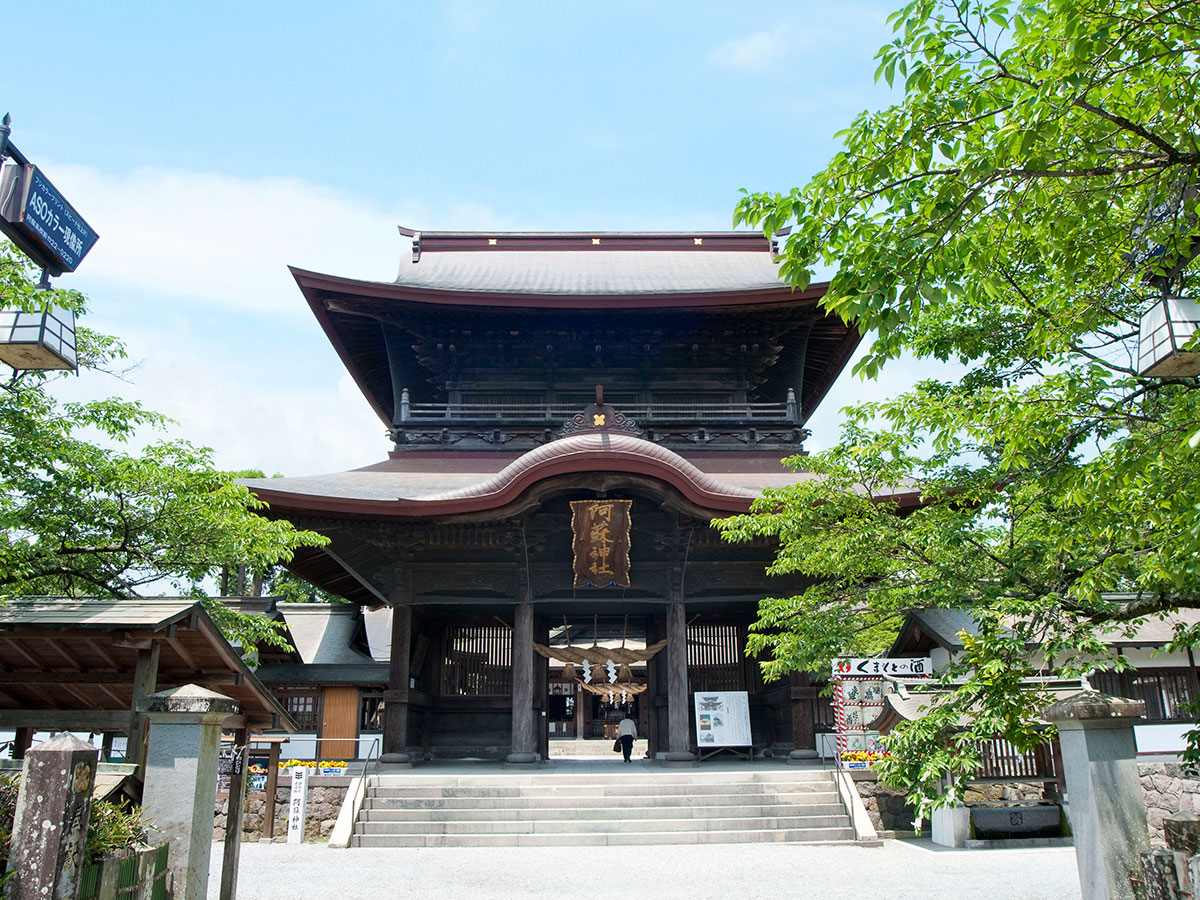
[{"x": 617, "y": 746}]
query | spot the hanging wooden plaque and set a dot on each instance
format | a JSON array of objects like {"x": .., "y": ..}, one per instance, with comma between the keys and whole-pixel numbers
[{"x": 601, "y": 529}]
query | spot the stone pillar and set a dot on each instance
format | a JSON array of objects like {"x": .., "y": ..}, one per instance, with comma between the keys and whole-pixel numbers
[
  {"x": 395, "y": 710},
  {"x": 181, "y": 778},
  {"x": 804, "y": 738},
  {"x": 524, "y": 737},
  {"x": 1107, "y": 810},
  {"x": 49, "y": 834},
  {"x": 677, "y": 686}
]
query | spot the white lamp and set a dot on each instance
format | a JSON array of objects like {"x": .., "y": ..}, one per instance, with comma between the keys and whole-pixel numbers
[
  {"x": 1166, "y": 327},
  {"x": 38, "y": 340}
]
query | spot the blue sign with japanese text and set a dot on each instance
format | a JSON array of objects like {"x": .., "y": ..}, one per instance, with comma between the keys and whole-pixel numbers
[{"x": 41, "y": 222}]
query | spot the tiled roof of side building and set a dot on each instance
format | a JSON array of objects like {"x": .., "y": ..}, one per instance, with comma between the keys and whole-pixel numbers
[{"x": 325, "y": 633}]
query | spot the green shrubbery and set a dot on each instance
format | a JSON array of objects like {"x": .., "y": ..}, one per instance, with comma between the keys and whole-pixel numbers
[{"x": 112, "y": 827}]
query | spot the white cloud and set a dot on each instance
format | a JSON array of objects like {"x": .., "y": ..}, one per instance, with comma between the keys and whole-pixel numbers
[
  {"x": 225, "y": 240},
  {"x": 754, "y": 51}
]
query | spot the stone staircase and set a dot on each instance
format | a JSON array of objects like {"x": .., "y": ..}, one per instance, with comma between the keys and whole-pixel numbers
[{"x": 622, "y": 808}]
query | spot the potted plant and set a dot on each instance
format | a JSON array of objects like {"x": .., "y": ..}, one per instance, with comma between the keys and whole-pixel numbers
[{"x": 332, "y": 767}]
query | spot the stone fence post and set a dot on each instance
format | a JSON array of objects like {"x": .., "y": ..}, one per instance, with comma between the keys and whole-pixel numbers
[
  {"x": 181, "y": 778},
  {"x": 50, "y": 829},
  {"x": 1107, "y": 809}
]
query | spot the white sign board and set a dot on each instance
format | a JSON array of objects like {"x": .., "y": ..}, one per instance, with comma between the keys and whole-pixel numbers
[
  {"x": 873, "y": 668},
  {"x": 722, "y": 719},
  {"x": 298, "y": 804}
]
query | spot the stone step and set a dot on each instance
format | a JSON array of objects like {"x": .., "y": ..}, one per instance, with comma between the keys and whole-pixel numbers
[
  {"x": 573, "y": 801},
  {"x": 567, "y": 813},
  {"x": 592, "y": 748},
  {"x": 600, "y": 839},
  {"x": 619, "y": 775},
  {"x": 604, "y": 826},
  {"x": 613, "y": 789}
]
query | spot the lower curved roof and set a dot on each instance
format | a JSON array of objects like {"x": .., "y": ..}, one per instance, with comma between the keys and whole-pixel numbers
[{"x": 400, "y": 489}]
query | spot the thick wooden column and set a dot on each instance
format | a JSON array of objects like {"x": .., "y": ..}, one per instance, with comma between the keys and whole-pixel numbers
[
  {"x": 803, "y": 701},
  {"x": 541, "y": 690},
  {"x": 677, "y": 686},
  {"x": 395, "y": 698},
  {"x": 145, "y": 683},
  {"x": 524, "y": 736}
]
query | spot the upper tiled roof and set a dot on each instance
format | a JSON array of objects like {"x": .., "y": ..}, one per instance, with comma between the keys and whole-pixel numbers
[{"x": 584, "y": 273}]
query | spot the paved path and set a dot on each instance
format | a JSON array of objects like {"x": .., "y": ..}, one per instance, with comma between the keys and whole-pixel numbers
[{"x": 900, "y": 870}]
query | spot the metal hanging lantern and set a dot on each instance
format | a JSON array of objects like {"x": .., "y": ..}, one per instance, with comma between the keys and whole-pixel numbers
[
  {"x": 1166, "y": 328},
  {"x": 38, "y": 340}
]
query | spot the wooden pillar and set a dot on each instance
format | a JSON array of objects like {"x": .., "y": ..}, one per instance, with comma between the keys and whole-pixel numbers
[
  {"x": 677, "y": 686},
  {"x": 524, "y": 738},
  {"x": 272, "y": 787},
  {"x": 541, "y": 688},
  {"x": 580, "y": 711},
  {"x": 395, "y": 710},
  {"x": 145, "y": 683},
  {"x": 22, "y": 741},
  {"x": 234, "y": 806},
  {"x": 803, "y": 701}
]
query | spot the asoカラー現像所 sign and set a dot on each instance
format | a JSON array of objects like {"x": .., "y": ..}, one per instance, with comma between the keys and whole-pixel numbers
[{"x": 40, "y": 221}]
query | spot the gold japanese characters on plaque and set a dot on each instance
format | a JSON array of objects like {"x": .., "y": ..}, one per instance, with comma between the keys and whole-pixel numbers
[{"x": 601, "y": 529}]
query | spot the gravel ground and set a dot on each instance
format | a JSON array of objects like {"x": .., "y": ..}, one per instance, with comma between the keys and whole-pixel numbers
[{"x": 900, "y": 870}]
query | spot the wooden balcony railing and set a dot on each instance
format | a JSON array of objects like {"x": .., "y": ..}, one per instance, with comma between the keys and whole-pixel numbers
[{"x": 639, "y": 412}]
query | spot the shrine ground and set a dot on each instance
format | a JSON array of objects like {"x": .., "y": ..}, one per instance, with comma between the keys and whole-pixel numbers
[{"x": 900, "y": 870}]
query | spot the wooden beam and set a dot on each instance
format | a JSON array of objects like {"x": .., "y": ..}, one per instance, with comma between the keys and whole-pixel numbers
[
  {"x": 112, "y": 695},
  {"x": 72, "y": 660},
  {"x": 189, "y": 660},
  {"x": 128, "y": 640},
  {"x": 40, "y": 677},
  {"x": 65, "y": 719},
  {"x": 109, "y": 659},
  {"x": 81, "y": 695},
  {"x": 29, "y": 658}
]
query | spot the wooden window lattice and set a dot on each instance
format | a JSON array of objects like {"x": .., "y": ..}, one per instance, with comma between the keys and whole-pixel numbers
[
  {"x": 716, "y": 659},
  {"x": 477, "y": 661},
  {"x": 1166, "y": 692},
  {"x": 303, "y": 705}
]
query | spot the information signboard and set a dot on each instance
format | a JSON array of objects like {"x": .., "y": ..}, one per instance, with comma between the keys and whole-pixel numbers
[
  {"x": 39, "y": 220},
  {"x": 722, "y": 719}
]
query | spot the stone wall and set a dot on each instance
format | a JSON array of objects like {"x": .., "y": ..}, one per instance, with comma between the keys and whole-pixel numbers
[
  {"x": 1167, "y": 791},
  {"x": 886, "y": 806},
  {"x": 325, "y": 796}
]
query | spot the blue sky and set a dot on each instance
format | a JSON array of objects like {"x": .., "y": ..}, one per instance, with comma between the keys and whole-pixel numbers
[{"x": 213, "y": 145}]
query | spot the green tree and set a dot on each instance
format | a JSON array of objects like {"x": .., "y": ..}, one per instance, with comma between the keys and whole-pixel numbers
[
  {"x": 83, "y": 515},
  {"x": 1031, "y": 195}
]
